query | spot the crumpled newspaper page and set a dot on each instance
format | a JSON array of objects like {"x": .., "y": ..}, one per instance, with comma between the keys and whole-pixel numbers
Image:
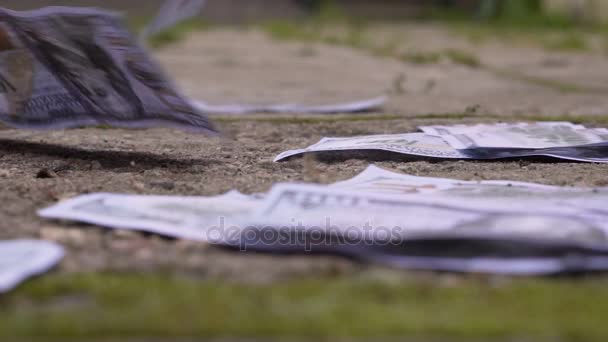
[
  {"x": 503, "y": 141},
  {"x": 426, "y": 232}
]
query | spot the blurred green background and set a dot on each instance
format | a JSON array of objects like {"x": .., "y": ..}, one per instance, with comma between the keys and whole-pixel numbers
[{"x": 239, "y": 10}]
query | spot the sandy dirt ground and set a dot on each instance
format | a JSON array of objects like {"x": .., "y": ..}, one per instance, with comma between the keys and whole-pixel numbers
[{"x": 246, "y": 66}]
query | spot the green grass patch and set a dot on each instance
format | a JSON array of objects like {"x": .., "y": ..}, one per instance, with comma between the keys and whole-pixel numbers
[
  {"x": 417, "y": 57},
  {"x": 463, "y": 58},
  {"x": 288, "y": 30},
  {"x": 512, "y": 15},
  {"x": 351, "y": 34},
  {"x": 355, "y": 37},
  {"x": 567, "y": 42},
  {"x": 330, "y": 25},
  {"x": 177, "y": 32},
  {"x": 453, "y": 55},
  {"x": 563, "y": 87},
  {"x": 105, "y": 305}
]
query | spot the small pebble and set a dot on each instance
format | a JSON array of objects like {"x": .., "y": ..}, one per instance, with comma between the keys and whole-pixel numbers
[
  {"x": 95, "y": 165},
  {"x": 45, "y": 173}
]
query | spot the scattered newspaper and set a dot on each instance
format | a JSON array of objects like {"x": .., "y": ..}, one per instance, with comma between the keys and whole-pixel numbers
[
  {"x": 507, "y": 196},
  {"x": 64, "y": 67},
  {"x": 518, "y": 135},
  {"x": 472, "y": 255},
  {"x": 589, "y": 145},
  {"x": 422, "y": 232},
  {"x": 193, "y": 218},
  {"x": 171, "y": 13},
  {"x": 21, "y": 259},
  {"x": 435, "y": 214},
  {"x": 379, "y": 180},
  {"x": 382, "y": 216},
  {"x": 415, "y": 144}
]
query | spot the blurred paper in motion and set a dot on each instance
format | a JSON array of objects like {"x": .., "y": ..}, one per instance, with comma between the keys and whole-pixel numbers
[
  {"x": 171, "y": 13},
  {"x": 64, "y": 67},
  {"x": 347, "y": 107}
]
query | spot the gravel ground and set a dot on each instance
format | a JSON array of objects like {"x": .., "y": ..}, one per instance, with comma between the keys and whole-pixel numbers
[{"x": 222, "y": 65}]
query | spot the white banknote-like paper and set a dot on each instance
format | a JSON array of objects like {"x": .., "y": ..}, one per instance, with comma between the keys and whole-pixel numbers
[
  {"x": 420, "y": 231},
  {"x": 406, "y": 221},
  {"x": 518, "y": 135},
  {"x": 379, "y": 180},
  {"x": 194, "y": 218},
  {"x": 416, "y": 144},
  {"x": 347, "y": 107},
  {"x": 437, "y": 146},
  {"x": 497, "y": 195},
  {"x": 489, "y": 215},
  {"x": 310, "y": 206},
  {"x": 64, "y": 67},
  {"x": 21, "y": 259}
]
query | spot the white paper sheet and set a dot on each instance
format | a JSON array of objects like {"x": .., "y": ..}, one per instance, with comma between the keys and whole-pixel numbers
[{"x": 21, "y": 259}]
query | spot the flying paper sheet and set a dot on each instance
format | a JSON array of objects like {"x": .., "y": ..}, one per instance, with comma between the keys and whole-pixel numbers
[
  {"x": 21, "y": 259},
  {"x": 66, "y": 67},
  {"x": 348, "y": 107},
  {"x": 174, "y": 11},
  {"x": 171, "y": 13}
]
